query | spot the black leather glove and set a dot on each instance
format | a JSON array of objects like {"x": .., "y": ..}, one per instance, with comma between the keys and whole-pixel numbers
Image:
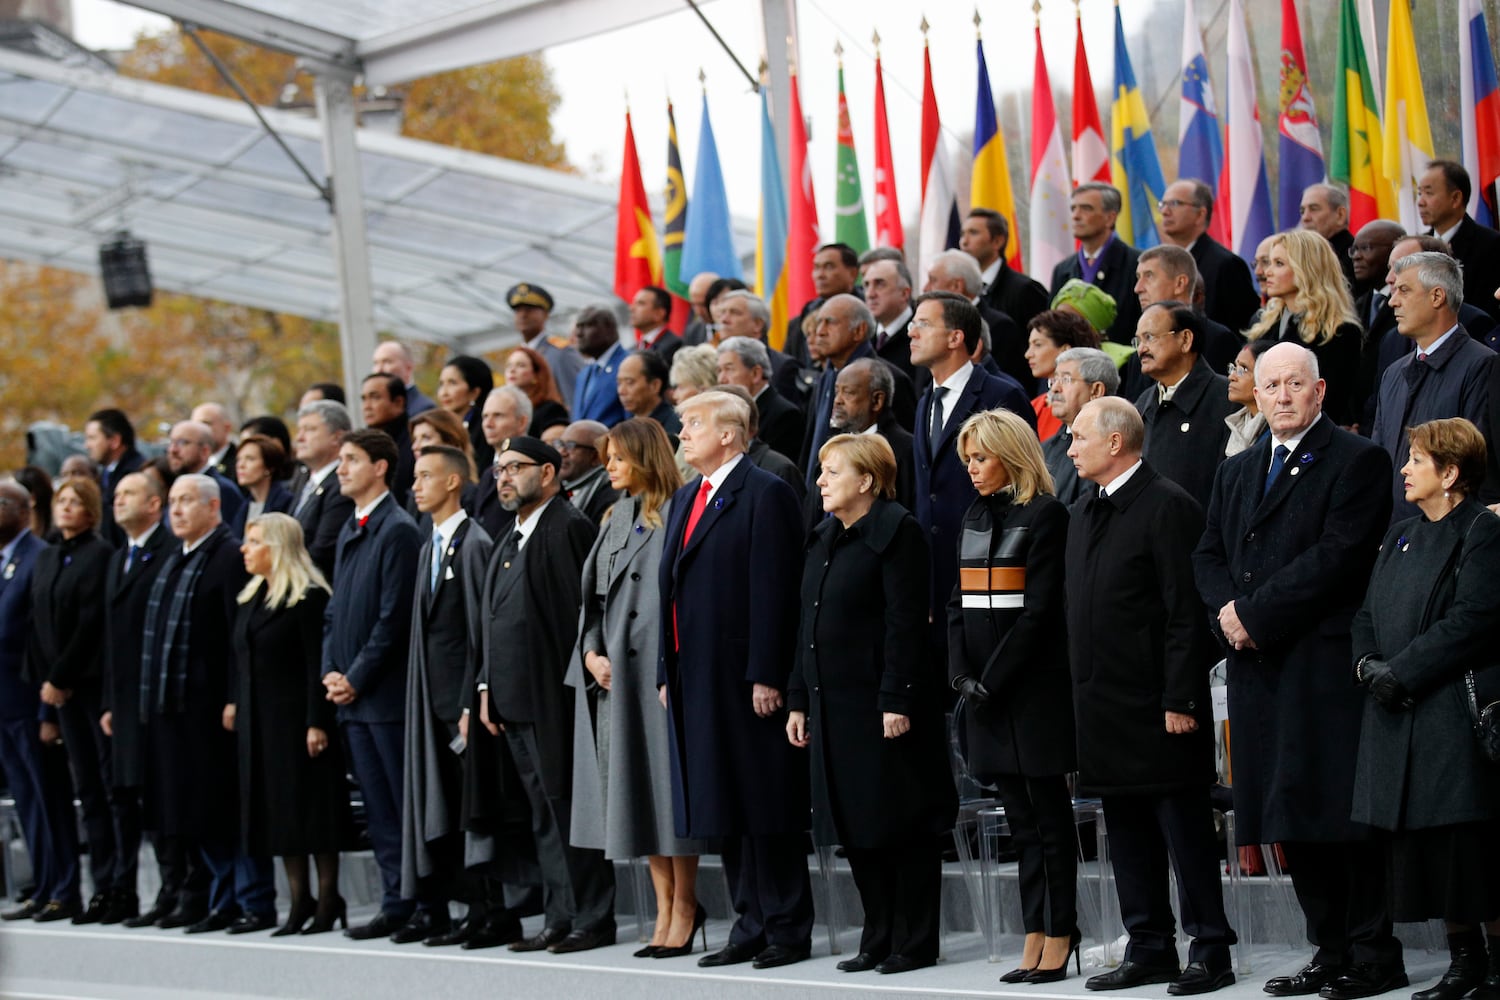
[
  {"x": 1385, "y": 687},
  {"x": 972, "y": 690}
]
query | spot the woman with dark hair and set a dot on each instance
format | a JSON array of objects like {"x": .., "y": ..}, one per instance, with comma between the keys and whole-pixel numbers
[
  {"x": 1049, "y": 334},
  {"x": 65, "y": 659},
  {"x": 36, "y": 482},
  {"x": 528, "y": 371},
  {"x": 1428, "y": 629},
  {"x": 463, "y": 385},
  {"x": 274, "y": 428},
  {"x": 260, "y": 466},
  {"x": 622, "y": 781},
  {"x": 1246, "y": 424}
]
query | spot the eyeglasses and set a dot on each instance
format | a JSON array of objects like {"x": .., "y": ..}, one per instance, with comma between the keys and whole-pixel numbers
[
  {"x": 1236, "y": 371},
  {"x": 183, "y": 443},
  {"x": 1367, "y": 249},
  {"x": 1175, "y": 203},
  {"x": 567, "y": 446},
  {"x": 513, "y": 468},
  {"x": 1147, "y": 339},
  {"x": 1067, "y": 378},
  {"x": 922, "y": 324}
]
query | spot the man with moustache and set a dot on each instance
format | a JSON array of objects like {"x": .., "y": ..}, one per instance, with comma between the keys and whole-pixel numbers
[
  {"x": 585, "y": 484},
  {"x": 1083, "y": 374},
  {"x": 862, "y": 405}
]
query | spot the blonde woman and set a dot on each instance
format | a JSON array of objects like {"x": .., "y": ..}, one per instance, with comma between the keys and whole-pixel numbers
[
  {"x": 293, "y": 801},
  {"x": 1308, "y": 303}
]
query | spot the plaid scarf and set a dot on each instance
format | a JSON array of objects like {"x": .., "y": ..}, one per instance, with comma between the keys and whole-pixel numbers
[{"x": 164, "y": 658}]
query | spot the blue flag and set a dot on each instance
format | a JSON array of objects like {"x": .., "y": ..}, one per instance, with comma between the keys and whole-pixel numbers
[{"x": 708, "y": 244}]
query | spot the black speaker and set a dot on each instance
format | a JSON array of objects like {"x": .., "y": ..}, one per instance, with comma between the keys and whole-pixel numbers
[{"x": 127, "y": 276}]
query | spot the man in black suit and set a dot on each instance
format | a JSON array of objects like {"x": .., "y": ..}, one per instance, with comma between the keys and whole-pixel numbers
[
  {"x": 1370, "y": 256},
  {"x": 984, "y": 236},
  {"x": 216, "y": 419},
  {"x": 1229, "y": 289},
  {"x": 188, "y": 451},
  {"x": 382, "y": 401},
  {"x": 835, "y": 271},
  {"x": 1145, "y": 743},
  {"x": 530, "y": 608},
  {"x": 1325, "y": 211},
  {"x": 1169, "y": 274},
  {"x": 585, "y": 481},
  {"x": 740, "y": 313},
  {"x": 1293, "y": 530},
  {"x": 1184, "y": 409},
  {"x": 861, "y": 405},
  {"x": 506, "y": 414},
  {"x": 317, "y": 503},
  {"x": 1442, "y": 202},
  {"x": 1005, "y": 350},
  {"x": 1103, "y": 259},
  {"x": 728, "y": 626},
  {"x": 641, "y": 383},
  {"x": 649, "y": 312},
  {"x": 1083, "y": 375},
  {"x": 696, "y": 331},
  {"x": 746, "y": 363},
  {"x": 392, "y": 357},
  {"x": 109, "y": 439},
  {"x": 888, "y": 294},
  {"x": 365, "y": 631}
]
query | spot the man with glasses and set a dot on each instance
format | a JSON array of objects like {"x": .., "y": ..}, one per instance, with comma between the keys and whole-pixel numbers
[
  {"x": 584, "y": 480},
  {"x": 1184, "y": 410},
  {"x": 1083, "y": 374},
  {"x": 1229, "y": 291},
  {"x": 189, "y": 449}
]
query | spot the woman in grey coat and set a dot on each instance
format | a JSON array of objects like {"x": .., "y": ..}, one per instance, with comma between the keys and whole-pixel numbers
[
  {"x": 1430, "y": 615},
  {"x": 622, "y": 785}
]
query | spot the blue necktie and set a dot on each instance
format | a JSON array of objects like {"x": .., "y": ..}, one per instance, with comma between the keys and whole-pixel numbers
[
  {"x": 1278, "y": 459},
  {"x": 437, "y": 560},
  {"x": 130, "y": 558}
]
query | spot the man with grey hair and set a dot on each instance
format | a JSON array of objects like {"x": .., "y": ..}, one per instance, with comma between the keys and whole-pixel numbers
[
  {"x": 392, "y": 357},
  {"x": 1103, "y": 259},
  {"x": 1325, "y": 211},
  {"x": 1004, "y": 343},
  {"x": 747, "y": 363},
  {"x": 1187, "y": 206},
  {"x": 190, "y": 448},
  {"x": 739, "y": 313},
  {"x": 506, "y": 414},
  {"x": 317, "y": 503},
  {"x": 888, "y": 294},
  {"x": 1165, "y": 273},
  {"x": 1083, "y": 375},
  {"x": 1448, "y": 374}
]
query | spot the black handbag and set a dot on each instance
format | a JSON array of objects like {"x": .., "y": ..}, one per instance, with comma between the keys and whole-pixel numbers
[{"x": 1486, "y": 720}]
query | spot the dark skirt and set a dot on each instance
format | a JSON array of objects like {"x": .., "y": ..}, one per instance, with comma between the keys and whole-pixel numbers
[{"x": 1446, "y": 872}]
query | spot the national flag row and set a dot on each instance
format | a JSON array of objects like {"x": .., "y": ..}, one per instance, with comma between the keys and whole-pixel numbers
[{"x": 1378, "y": 151}]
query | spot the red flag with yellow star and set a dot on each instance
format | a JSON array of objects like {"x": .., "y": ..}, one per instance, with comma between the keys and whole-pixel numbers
[{"x": 637, "y": 250}]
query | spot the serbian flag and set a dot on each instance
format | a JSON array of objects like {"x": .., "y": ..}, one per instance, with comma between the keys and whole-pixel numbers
[
  {"x": 1200, "y": 144},
  {"x": 990, "y": 185},
  {"x": 1245, "y": 194},
  {"x": 887, "y": 210},
  {"x": 938, "y": 227},
  {"x": 1408, "y": 136},
  {"x": 1051, "y": 235},
  {"x": 1356, "y": 157},
  {"x": 1480, "y": 111},
  {"x": 802, "y": 211},
  {"x": 1090, "y": 153},
  {"x": 637, "y": 253},
  {"x": 1301, "y": 150}
]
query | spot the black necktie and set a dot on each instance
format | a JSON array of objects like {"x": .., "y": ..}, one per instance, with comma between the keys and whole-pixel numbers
[
  {"x": 1278, "y": 459},
  {"x": 935, "y": 425}
]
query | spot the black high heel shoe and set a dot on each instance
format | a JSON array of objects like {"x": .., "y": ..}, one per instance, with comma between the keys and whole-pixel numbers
[
  {"x": 648, "y": 952},
  {"x": 1017, "y": 975},
  {"x": 700, "y": 920},
  {"x": 1057, "y": 975},
  {"x": 302, "y": 911},
  {"x": 324, "y": 921}
]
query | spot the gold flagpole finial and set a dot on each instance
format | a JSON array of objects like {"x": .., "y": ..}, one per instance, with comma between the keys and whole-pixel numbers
[
  {"x": 924, "y": 26},
  {"x": 977, "y": 20},
  {"x": 1036, "y": 8},
  {"x": 875, "y": 39},
  {"x": 702, "y": 79},
  {"x": 838, "y": 52}
]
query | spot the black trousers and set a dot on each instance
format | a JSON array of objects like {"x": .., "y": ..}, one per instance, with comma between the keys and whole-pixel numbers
[
  {"x": 771, "y": 890},
  {"x": 578, "y": 884},
  {"x": 1341, "y": 889},
  {"x": 901, "y": 891},
  {"x": 184, "y": 876},
  {"x": 89, "y": 763},
  {"x": 1146, "y": 832},
  {"x": 1039, "y": 812}
]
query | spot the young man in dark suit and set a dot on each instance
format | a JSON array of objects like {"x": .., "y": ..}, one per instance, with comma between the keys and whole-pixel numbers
[
  {"x": 109, "y": 439},
  {"x": 985, "y": 236}
]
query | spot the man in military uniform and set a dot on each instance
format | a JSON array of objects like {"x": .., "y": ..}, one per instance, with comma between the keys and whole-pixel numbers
[{"x": 532, "y": 304}]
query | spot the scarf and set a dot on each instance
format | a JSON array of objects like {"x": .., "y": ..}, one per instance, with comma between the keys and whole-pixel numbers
[{"x": 164, "y": 658}]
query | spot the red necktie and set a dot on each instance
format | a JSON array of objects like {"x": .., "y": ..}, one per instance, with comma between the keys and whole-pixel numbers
[
  {"x": 700, "y": 504},
  {"x": 640, "y": 340}
]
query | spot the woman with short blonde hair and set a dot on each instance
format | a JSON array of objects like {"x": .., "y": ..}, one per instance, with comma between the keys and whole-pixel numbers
[
  {"x": 867, "y": 455},
  {"x": 1002, "y": 435}
]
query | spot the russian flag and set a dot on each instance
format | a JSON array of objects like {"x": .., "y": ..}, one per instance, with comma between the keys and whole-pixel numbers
[{"x": 1480, "y": 111}]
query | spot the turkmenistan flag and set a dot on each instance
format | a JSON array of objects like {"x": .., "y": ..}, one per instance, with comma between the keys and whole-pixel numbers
[
  {"x": 676, "y": 222},
  {"x": 849, "y": 203}
]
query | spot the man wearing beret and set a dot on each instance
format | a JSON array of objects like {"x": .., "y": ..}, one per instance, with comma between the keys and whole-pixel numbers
[
  {"x": 522, "y": 739},
  {"x": 532, "y": 304}
]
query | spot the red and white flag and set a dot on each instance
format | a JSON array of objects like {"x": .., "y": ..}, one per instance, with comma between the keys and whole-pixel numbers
[{"x": 1051, "y": 236}]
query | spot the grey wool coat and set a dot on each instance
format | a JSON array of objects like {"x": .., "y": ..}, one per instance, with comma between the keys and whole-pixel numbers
[{"x": 622, "y": 771}]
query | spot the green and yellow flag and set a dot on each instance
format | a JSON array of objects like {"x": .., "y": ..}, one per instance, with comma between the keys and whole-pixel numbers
[{"x": 849, "y": 203}]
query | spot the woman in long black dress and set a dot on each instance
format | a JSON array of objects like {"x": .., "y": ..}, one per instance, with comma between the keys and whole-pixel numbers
[
  {"x": 293, "y": 801},
  {"x": 860, "y": 698},
  {"x": 1432, "y": 612},
  {"x": 1008, "y": 658}
]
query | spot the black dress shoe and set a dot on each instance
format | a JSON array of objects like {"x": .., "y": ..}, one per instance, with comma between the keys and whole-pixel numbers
[
  {"x": 159, "y": 908},
  {"x": 494, "y": 930},
  {"x": 182, "y": 916},
  {"x": 903, "y": 963},
  {"x": 124, "y": 905},
  {"x": 458, "y": 933},
  {"x": 249, "y": 923},
  {"x": 541, "y": 942},
  {"x": 218, "y": 920},
  {"x": 382, "y": 925},
  {"x": 586, "y": 939},
  {"x": 1132, "y": 974},
  {"x": 863, "y": 962},
  {"x": 1308, "y": 980},
  {"x": 25, "y": 911},
  {"x": 423, "y": 925},
  {"x": 777, "y": 955},
  {"x": 94, "y": 912},
  {"x": 56, "y": 909},
  {"x": 732, "y": 954},
  {"x": 1202, "y": 977},
  {"x": 1365, "y": 979}
]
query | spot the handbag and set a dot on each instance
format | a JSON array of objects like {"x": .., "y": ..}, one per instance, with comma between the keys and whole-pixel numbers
[{"x": 1486, "y": 720}]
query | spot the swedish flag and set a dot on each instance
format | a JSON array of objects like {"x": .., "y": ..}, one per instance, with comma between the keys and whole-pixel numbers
[{"x": 1134, "y": 167}]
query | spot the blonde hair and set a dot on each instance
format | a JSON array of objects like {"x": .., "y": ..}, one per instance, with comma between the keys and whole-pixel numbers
[
  {"x": 1322, "y": 294},
  {"x": 1008, "y": 439},
  {"x": 729, "y": 412},
  {"x": 292, "y": 569},
  {"x": 869, "y": 455}
]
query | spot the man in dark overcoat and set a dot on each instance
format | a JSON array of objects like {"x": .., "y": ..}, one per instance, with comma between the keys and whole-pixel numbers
[
  {"x": 729, "y": 619},
  {"x": 1293, "y": 531},
  {"x": 317, "y": 503},
  {"x": 1140, "y": 652}
]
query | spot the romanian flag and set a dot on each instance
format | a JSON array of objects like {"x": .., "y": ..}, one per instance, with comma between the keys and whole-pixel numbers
[
  {"x": 1408, "y": 137},
  {"x": 990, "y": 185},
  {"x": 637, "y": 253},
  {"x": 1356, "y": 155},
  {"x": 849, "y": 224},
  {"x": 1090, "y": 154},
  {"x": 802, "y": 208},
  {"x": 888, "y": 232},
  {"x": 770, "y": 231},
  {"x": 1301, "y": 149},
  {"x": 1480, "y": 111},
  {"x": 1134, "y": 167}
]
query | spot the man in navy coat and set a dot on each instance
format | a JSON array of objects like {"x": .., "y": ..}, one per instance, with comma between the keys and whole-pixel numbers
[
  {"x": 729, "y": 621},
  {"x": 365, "y": 631}
]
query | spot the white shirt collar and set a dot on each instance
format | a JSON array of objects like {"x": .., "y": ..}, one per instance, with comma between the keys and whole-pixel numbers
[
  {"x": 872, "y": 429},
  {"x": 717, "y": 477},
  {"x": 1117, "y": 483},
  {"x": 959, "y": 380},
  {"x": 317, "y": 477},
  {"x": 1454, "y": 231},
  {"x": 450, "y": 527},
  {"x": 1291, "y": 443},
  {"x": 1430, "y": 348},
  {"x": 527, "y": 526},
  {"x": 895, "y": 324},
  {"x": 188, "y": 548},
  {"x": 992, "y": 272},
  {"x": 145, "y": 536},
  {"x": 367, "y": 511}
]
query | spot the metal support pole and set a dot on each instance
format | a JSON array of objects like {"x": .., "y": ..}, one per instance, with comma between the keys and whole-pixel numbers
[
  {"x": 351, "y": 256},
  {"x": 779, "y": 18}
]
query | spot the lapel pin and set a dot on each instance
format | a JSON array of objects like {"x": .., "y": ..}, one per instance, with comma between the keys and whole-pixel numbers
[
  {"x": 1305, "y": 458},
  {"x": 10, "y": 570},
  {"x": 1185, "y": 426},
  {"x": 640, "y": 529},
  {"x": 1401, "y": 543},
  {"x": 1295, "y": 470},
  {"x": 718, "y": 503}
]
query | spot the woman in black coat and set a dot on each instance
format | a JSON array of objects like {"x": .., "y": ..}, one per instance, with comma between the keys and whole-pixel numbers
[
  {"x": 65, "y": 660},
  {"x": 1432, "y": 612},
  {"x": 1008, "y": 658},
  {"x": 859, "y": 699},
  {"x": 293, "y": 800}
]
